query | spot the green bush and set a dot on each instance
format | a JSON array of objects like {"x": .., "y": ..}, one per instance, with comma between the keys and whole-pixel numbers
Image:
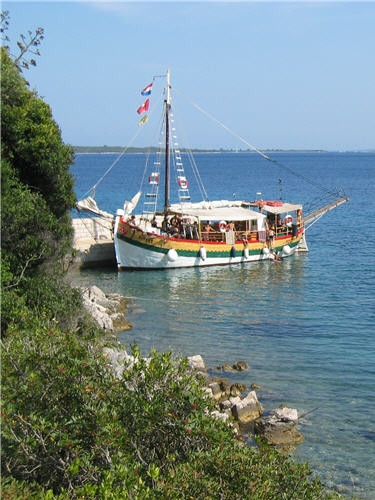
[
  {"x": 76, "y": 430},
  {"x": 67, "y": 419},
  {"x": 233, "y": 472}
]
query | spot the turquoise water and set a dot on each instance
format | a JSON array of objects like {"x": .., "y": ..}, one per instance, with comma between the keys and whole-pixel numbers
[{"x": 305, "y": 326}]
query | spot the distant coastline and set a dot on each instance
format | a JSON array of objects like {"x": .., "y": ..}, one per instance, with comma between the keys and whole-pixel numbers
[{"x": 120, "y": 149}]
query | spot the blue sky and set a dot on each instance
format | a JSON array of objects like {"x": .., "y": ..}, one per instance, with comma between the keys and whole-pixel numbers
[{"x": 278, "y": 74}]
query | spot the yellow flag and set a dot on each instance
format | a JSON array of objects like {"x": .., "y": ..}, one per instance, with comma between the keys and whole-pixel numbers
[{"x": 143, "y": 120}]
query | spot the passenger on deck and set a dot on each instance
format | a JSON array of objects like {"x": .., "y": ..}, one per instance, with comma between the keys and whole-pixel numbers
[
  {"x": 207, "y": 229},
  {"x": 231, "y": 226},
  {"x": 154, "y": 223},
  {"x": 165, "y": 225},
  {"x": 299, "y": 216},
  {"x": 175, "y": 225},
  {"x": 132, "y": 220},
  {"x": 270, "y": 236},
  {"x": 188, "y": 229}
]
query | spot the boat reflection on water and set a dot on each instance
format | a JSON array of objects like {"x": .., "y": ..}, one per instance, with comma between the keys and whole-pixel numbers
[{"x": 203, "y": 310}]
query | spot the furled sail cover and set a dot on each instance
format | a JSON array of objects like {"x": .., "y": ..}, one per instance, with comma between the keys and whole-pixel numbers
[
  {"x": 89, "y": 205},
  {"x": 129, "y": 206}
]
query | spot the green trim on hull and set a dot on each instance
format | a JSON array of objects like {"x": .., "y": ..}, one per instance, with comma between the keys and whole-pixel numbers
[{"x": 196, "y": 253}]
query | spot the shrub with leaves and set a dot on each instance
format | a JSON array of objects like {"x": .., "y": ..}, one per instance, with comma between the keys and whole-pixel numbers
[
  {"x": 74, "y": 428},
  {"x": 231, "y": 471},
  {"x": 166, "y": 411},
  {"x": 67, "y": 419}
]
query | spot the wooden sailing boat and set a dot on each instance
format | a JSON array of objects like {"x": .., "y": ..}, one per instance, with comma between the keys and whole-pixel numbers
[{"x": 203, "y": 233}]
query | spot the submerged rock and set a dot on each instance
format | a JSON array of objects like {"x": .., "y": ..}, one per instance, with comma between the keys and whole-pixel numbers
[
  {"x": 280, "y": 429},
  {"x": 238, "y": 366}
]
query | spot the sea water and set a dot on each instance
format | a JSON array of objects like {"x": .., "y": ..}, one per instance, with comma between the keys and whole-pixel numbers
[{"x": 305, "y": 326}]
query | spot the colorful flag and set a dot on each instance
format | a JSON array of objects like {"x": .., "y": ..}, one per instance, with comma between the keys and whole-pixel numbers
[
  {"x": 144, "y": 107},
  {"x": 147, "y": 90},
  {"x": 143, "y": 120}
]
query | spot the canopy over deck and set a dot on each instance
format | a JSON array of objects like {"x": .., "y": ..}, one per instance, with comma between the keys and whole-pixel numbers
[
  {"x": 282, "y": 209},
  {"x": 208, "y": 212},
  {"x": 277, "y": 207}
]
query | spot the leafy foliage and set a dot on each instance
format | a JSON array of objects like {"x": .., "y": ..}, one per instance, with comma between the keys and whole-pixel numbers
[
  {"x": 66, "y": 411},
  {"x": 36, "y": 195},
  {"x": 31, "y": 141},
  {"x": 72, "y": 427}
]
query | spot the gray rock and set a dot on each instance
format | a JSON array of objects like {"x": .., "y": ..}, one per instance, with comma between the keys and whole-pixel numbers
[
  {"x": 285, "y": 414},
  {"x": 280, "y": 429},
  {"x": 107, "y": 310},
  {"x": 248, "y": 408},
  {"x": 196, "y": 363},
  {"x": 119, "y": 359},
  {"x": 216, "y": 390}
]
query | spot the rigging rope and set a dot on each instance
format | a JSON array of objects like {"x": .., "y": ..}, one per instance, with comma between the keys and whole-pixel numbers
[
  {"x": 123, "y": 152},
  {"x": 191, "y": 160},
  {"x": 266, "y": 157}
]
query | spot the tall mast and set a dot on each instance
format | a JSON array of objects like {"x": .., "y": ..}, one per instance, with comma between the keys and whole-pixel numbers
[{"x": 167, "y": 110}]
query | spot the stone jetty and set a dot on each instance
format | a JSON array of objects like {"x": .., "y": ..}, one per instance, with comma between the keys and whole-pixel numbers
[{"x": 93, "y": 242}]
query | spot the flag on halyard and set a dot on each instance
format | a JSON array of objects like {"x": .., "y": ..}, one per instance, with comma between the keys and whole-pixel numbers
[
  {"x": 144, "y": 107},
  {"x": 147, "y": 90},
  {"x": 143, "y": 120}
]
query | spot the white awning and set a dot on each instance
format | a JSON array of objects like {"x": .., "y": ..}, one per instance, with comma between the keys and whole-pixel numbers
[
  {"x": 219, "y": 213},
  {"x": 282, "y": 209}
]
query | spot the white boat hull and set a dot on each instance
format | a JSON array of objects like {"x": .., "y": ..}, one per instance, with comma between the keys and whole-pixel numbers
[{"x": 143, "y": 250}]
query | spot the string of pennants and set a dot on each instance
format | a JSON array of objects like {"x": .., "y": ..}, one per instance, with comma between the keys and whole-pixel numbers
[{"x": 145, "y": 106}]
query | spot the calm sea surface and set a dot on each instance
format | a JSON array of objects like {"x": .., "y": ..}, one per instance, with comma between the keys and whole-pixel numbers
[{"x": 304, "y": 326}]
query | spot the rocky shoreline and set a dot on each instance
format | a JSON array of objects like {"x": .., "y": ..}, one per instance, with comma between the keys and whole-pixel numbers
[
  {"x": 234, "y": 400},
  {"x": 108, "y": 311}
]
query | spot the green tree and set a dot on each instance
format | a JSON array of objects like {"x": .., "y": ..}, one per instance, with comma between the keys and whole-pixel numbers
[
  {"x": 36, "y": 191},
  {"x": 32, "y": 147}
]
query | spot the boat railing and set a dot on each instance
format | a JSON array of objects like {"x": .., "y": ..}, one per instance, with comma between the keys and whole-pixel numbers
[
  {"x": 289, "y": 228},
  {"x": 222, "y": 236}
]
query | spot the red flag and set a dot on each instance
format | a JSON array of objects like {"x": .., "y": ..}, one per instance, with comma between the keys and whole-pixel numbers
[{"x": 144, "y": 107}]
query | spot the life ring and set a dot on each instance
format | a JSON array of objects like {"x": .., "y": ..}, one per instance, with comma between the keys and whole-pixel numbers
[
  {"x": 288, "y": 219},
  {"x": 223, "y": 226},
  {"x": 154, "y": 178},
  {"x": 183, "y": 182}
]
